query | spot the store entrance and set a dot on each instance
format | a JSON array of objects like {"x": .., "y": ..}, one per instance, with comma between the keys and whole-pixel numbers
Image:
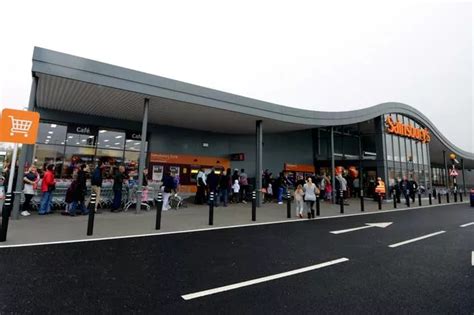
[{"x": 369, "y": 179}]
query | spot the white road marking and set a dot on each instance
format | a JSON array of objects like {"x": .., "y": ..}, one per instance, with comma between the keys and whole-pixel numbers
[
  {"x": 220, "y": 227},
  {"x": 467, "y": 224},
  {"x": 260, "y": 280},
  {"x": 416, "y": 239},
  {"x": 472, "y": 258},
  {"x": 368, "y": 225}
]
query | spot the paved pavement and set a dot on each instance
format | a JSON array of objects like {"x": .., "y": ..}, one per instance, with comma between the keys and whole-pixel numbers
[
  {"x": 420, "y": 263},
  {"x": 55, "y": 227}
]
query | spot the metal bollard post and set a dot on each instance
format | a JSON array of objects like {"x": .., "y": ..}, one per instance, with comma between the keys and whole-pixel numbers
[
  {"x": 408, "y": 199},
  {"x": 288, "y": 206},
  {"x": 447, "y": 197},
  {"x": 455, "y": 196},
  {"x": 361, "y": 200},
  {"x": 419, "y": 199},
  {"x": 90, "y": 221},
  {"x": 439, "y": 198},
  {"x": 394, "y": 200},
  {"x": 429, "y": 199},
  {"x": 460, "y": 197},
  {"x": 380, "y": 201},
  {"x": 159, "y": 208},
  {"x": 7, "y": 207},
  {"x": 254, "y": 206},
  {"x": 341, "y": 200},
  {"x": 318, "y": 206},
  {"x": 211, "y": 208}
]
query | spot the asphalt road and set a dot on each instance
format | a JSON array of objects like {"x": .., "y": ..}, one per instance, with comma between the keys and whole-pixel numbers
[{"x": 151, "y": 274}]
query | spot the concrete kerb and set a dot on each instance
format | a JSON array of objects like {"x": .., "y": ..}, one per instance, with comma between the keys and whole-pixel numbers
[{"x": 222, "y": 227}]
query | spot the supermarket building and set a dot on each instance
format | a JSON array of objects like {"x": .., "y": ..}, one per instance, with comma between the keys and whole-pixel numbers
[{"x": 94, "y": 111}]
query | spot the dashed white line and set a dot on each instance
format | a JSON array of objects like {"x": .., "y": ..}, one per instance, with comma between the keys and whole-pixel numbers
[
  {"x": 415, "y": 239},
  {"x": 467, "y": 224},
  {"x": 260, "y": 280},
  {"x": 472, "y": 258}
]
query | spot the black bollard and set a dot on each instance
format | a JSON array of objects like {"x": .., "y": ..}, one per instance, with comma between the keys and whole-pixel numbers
[
  {"x": 419, "y": 199},
  {"x": 361, "y": 200},
  {"x": 159, "y": 208},
  {"x": 380, "y": 201},
  {"x": 460, "y": 197},
  {"x": 408, "y": 199},
  {"x": 288, "y": 205},
  {"x": 447, "y": 197},
  {"x": 90, "y": 221},
  {"x": 455, "y": 196},
  {"x": 341, "y": 200},
  {"x": 439, "y": 198},
  {"x": 429, "y": 199},
  {"x": 211, "y": 208},
  {"x": 317, "y": 206},
  {"x": 254, "y": 206},
  {"x": 7, "y": 207},
  {"x": 394, "y": 200}
]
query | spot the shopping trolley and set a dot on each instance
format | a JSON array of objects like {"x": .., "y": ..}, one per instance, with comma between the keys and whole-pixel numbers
[{"x": 20, "y": 126}]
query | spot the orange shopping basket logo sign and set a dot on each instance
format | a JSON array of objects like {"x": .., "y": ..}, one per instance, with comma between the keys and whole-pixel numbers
[{"x": 19, "y": 126}]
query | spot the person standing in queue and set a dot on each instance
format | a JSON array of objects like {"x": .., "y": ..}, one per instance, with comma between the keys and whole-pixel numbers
[
  {"x": 201, "y": 187},
  {"x": 380, "y": 188},
  {"x": 224, "y": 181},
  {"x": 80, "y": 192},
  {"x": 244, "y": 186},
  {"x": 96, "y": 183},
  {"x": 30, "y": 182},
  {"x": 405, "y": 189},
  {"x": 47, "y": 187},
  {"x": 167, "y": 187},
  {"x": 119, "y": 179},
  {"x": 212, "y": 183},
  {"x": 413, "y": 189}
]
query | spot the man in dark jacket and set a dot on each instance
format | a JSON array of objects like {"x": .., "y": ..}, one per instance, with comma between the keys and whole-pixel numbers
[
  {"x": 413, "y": 189},
  {"x": 213, "y": 183},
  {"x": 168, "y": 187},
  {"x": 405, "y": 189},
  {"x": 80, "y": 192},
  {"x": 96, "y": 183},
  {"x": 119, "y": 178}
]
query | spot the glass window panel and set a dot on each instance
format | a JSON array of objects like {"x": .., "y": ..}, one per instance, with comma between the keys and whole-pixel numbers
[
  {"x": 77, "y": 139},
  {"x": 131, "y": 162},
  {"x": 396, "y": 148},
  {"x": 50, "y": 133},
  {"x": 425, "y": 153},
  {"x": 49, "y": 154},
  {"x": 76, "y": 156},
  {"x": 110, "y": 160},
  {"x": 110, "y": 139},
  {"x": 389, "y": 145}
]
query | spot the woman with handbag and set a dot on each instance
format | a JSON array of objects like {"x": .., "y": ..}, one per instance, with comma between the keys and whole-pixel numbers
[{"x": 31, "y": 179}]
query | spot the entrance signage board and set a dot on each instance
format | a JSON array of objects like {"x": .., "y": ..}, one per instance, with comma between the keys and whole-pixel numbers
[
  {"x": 19, "y": 126},
  {"x": 406, "y": 130},
  {"x": 82, "y": 129}
]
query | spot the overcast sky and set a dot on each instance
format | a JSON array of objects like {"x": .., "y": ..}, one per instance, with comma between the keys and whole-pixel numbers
[{"x": 334, "y": 56}]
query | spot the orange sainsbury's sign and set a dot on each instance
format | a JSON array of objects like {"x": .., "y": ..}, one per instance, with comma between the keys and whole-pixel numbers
[{"x": 406, "y": 130}]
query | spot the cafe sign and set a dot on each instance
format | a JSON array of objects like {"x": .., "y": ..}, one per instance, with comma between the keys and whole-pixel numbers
[{"x": 405, "y": 130}]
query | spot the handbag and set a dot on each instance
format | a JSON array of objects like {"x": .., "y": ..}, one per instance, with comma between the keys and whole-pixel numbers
[{"x": 51, "y": 187}]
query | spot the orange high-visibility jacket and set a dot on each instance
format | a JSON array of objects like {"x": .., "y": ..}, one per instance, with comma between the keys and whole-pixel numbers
[{"x": 380, "y": 189}]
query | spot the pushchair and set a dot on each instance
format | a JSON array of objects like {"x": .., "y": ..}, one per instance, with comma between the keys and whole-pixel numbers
[{"x": 176, "y": 201}]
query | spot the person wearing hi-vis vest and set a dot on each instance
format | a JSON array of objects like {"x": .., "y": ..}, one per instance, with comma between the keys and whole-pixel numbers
[{"x": 380, "y": 188}]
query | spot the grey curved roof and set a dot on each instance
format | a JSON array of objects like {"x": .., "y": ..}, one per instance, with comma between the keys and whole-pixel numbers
[{"x": 75, "y": 84}]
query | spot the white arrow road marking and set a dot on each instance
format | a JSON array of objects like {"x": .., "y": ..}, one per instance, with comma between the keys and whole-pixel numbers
[
  {"x": 416, "y": 239},
  {"x": 260, "y": 280},
  {"x": 367, "y": 226},
  {"x": 467, "y": 224}
]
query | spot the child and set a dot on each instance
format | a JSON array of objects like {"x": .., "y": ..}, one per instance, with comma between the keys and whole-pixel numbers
[
  {"x": 236, "y": 191},
  {"x": 299, "y": 193},
  {"x": 269, "y": 194}
]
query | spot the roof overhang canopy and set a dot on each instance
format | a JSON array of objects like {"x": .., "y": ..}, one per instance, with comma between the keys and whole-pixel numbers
[{"x": 78, "y": 85}]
